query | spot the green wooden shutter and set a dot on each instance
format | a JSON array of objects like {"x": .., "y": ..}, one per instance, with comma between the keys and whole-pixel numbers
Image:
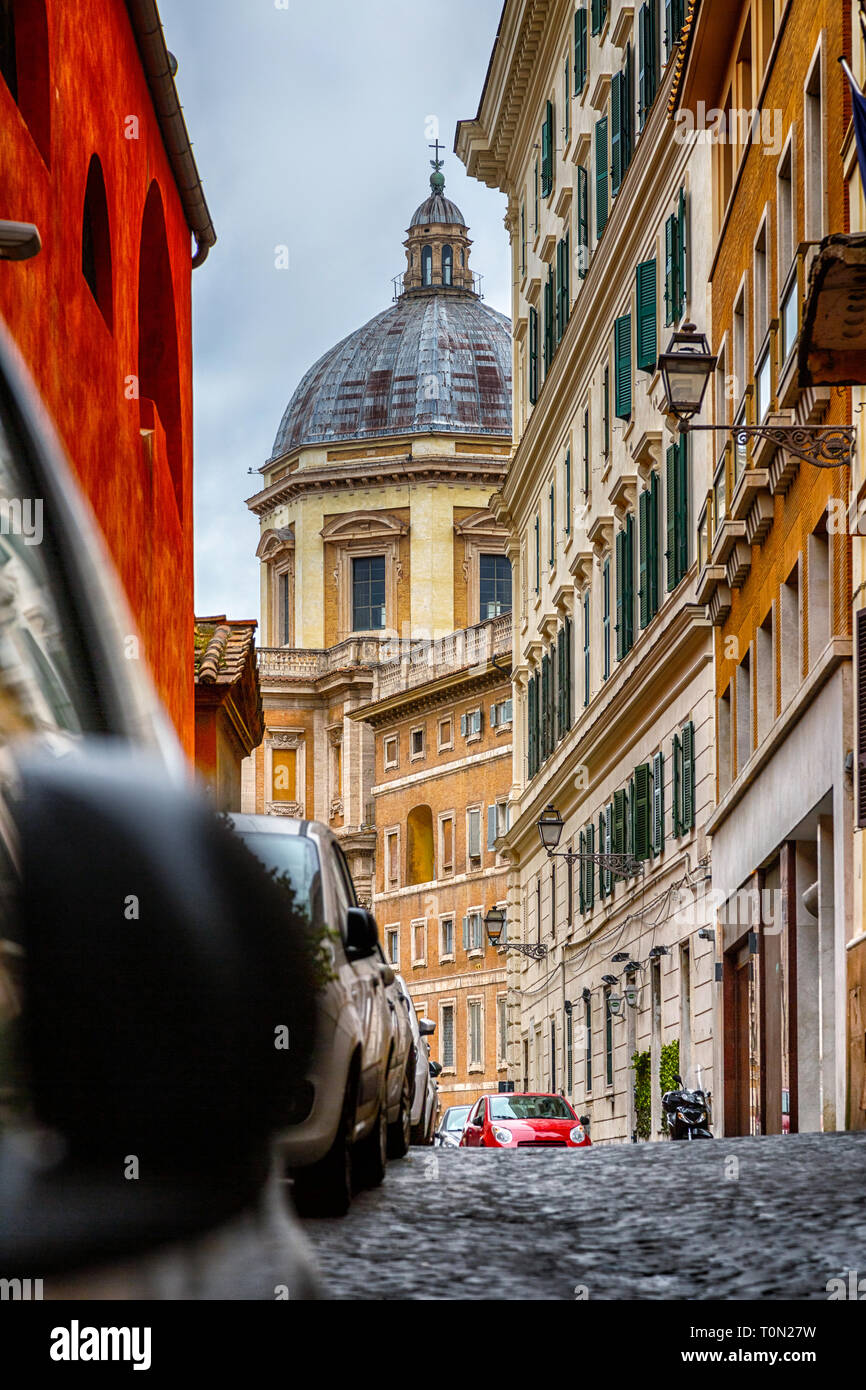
[
  {"x": 628, "y": 598},
  {"x": 682, "y": 252},
  {"x": 608, "y": 843},
  {"x": 671, "y": 514},
  {"x": 642, "y": 57},
  {"x": 652, "y": 30},
  {"x": 590, "y": 868},
  {"x": 669, "y": 28},
  {"x": 622, "y": 366},
  {"x": 653, "y": 555},
  {"x": 601, "y": 879},
  {"x": 615, "y": 135},
  {"x": 547, "y": 152},
  {"x": 605, "y": 573},
  {"x": 580, "y": 49},
  {"x": 642, "y": 810},
  {"x": 568, "y": 674},
  {"x": 530, "y": 728},
  {"x": 627, "y": 108},
  {"x": 647, "y": 332},
  {"x": 565, "y": 281},
  {"x": 581, "y": 844},
  {"x": 681, "y": 507},
  {"x": 620, "y": 595},
  {"x": 677, "y": 766},
  {"x": 548, "y": 319},
  {"x": 688, "y": 782},
  {"x": 601, "y": 194},
  {"x": 567, "y": 88},
  {"x": 658, "y": 786},
  {"x": 533, "y": 355},
  {"x": 620, "y": 811},
  {"x": 582, "y": 222},
  {"x": 545, "y": 708},
  {"x": 643, "y": 558},
  {"x": 672, "y": 298}
]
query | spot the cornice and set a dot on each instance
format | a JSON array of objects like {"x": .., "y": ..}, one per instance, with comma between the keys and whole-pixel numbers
[{"x": 471, "y": 470}]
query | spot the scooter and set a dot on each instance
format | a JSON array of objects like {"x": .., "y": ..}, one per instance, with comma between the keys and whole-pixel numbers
[{"x": 686, "y": 1111}]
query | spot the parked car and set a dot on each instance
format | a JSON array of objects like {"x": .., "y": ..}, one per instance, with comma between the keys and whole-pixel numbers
[
  {"x": 424, "y": 1089},
  {"x": 346, "y": 1110},
  {"x": 518, "y": 1120},
  {"x": 143, "y": 960},
  {"x": 450, "y": 1129}
]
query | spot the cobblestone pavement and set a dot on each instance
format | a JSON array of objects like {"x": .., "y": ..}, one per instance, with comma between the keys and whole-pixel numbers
[{"x": 755, "y": 1218}]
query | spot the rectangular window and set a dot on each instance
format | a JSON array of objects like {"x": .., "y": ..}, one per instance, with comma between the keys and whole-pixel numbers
[
  {"x": 587, "y": 1016},
  {"x": 641, "y": 811},
  {"x": 647, "y": 328},
  {"x": 446, "y": 937},
  {"x": 446, "y": 1033},
  {"x": 551, "y": 533},
  {"x": 580, "y": 50},
  {"x": 392, "y": 936},
  {"x": 567, "y": 481},
  {"x": 501, "y": 1031},
  {"x": 419, "y": 943},
  {"x": 446, "y": 845},
  {"x": 476, "y": 1036},
  {"x": 391, "y": 749},
  {"x": 473, "y": 832},
  {"x": 417, "y": 743},
  {"x": 744, "y": 711},
  {"x": 549, "y": 319},
  {"x": 582, "y": 222},
  {"x": 284, "y": 774},
  {"x": 621, "y": 84},
  {"x": 648, "y": 58},
  {"x": 586, "y": 631},
  {"x": 813, "y": 154},
  {"x": 470, "y": 724},
  {"x": 495, "y": 581},
  {"x": 684, "y": 779},
  {"x": 586, "y": 467},
  {"x": 537, "y": 191},
  {"x": 648, "y": 547},
  {"x": 567, "y": 90},
  {"x": 392, "y": 859},
  {"x": 606, "y": 615},
  {"x": 445, "y": 734},
  {"x": 608, "y": 1040},
  {"x": 285, "y": 617},
  {"x": 677, "y": 503},
  {"x": 599, "y": 15},
  {"x": 563, "y": 284},
  {"x": 625, "y": 589},
  {"x": 547, "y": 148},
  {"x": 761, "y": 305},
  {"x": 538, "y": 555},
  {"x": 368, "y": 593},
  {"x": 622, "y": 366},
  {"x": 533, "y": 355},
  {"x": 658, "y": 806},
  {"x": 601, "y": 170},
  {"x": 675, "y": 18},
  {"x": 523, "y": 239},
  {"x": 605, "y": 417},
  {"x": 790, "y": 635}
]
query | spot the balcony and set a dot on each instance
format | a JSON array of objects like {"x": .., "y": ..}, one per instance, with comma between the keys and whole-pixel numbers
[
  {"x": 832, "y": 344},
  {"x": 427, "y": 660}
]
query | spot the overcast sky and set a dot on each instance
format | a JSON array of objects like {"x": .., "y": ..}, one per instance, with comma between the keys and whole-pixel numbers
[{"x": 308, "y": 126}]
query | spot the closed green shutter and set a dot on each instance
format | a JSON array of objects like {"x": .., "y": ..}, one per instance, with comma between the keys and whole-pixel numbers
[
  {"x": 533, "y": 355},
  {"x": 643, "y": 105},
  {"x": 601, "y": 195},
  {"x": 568, "y": 676},
  {"x": 620, "y": 811},
  {"x": 615, "y": 135},
  {"x": 537, "y": 554},
  {"x": 642, "y": 810},
  {"x": 567, "y": 86},
  {"x": 677, "y": 766},
  {"x": 658, "y": 825},
  {"x": 546, "y": 730},
  {"x": 608, "y": 843},
  {"x": 647, "y": 332},
  {"x": 620, "y": 594},
  {"x": 626, "y": 109},
  {"x": 580, "y": 50},
  {"x": 622, "y": 366},
  {"x": 672, "y": 262},
  {"x": 599, "y": 13},
  {"x": 531, "y": 759},
  {"x": 688, "y": 784},
  {"x": 549, "y": 341},
  {"x": 602, "y": 883},
  {"x": 606, "y": 615},
  {"x": 681, "y": 508},
  {"x": 547, "y": 130},
  {"x": 653, "y": 555},
  {"x": 565, "y": 281},
  {"x": 671, "y": 515},
  {"x": 628, "y": 597},
  {"x": 582, "y": 222},
  {"x": 643, "y": 557},
  {"x": 590, "y": 867},
  {"x": 581, "y": 844},
  {"x": 682, "y": 253}
]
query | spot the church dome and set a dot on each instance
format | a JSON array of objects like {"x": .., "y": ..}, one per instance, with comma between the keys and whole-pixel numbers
[
  {"x": 435, "y": 362},
  {"x": 437, "y": 208}
]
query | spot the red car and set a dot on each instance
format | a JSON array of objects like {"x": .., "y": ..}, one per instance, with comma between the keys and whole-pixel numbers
[{"x": 528, "y": 1119}]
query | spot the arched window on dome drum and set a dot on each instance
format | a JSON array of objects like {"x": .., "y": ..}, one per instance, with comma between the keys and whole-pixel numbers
[
  {"x": 447, "y": 265},
  {"x": 427, "y": 265}
]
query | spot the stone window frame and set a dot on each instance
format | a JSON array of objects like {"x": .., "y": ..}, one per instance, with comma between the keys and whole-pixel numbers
[
  {"x": 442, "y": 817},
  {"x": 475, "y": 1067},
  {"x": 276, "y": 551},
  {"x": 281, "y": 739},
  {"x": 442, "y": 744},
  {"x": 476, "y": 952},
  {"x": 335, "y": 742},
  {"x": 414, "y": 925},
  {"x": 393, "y": 763},
  {"x": 422, "y": 730},
  {"x": 387, "y": 833},
  {"x": 501, "y": 1057},
  {"x": 452, "y": 954},
  {"x": 391, "y": 928},
  {"x": 481, "y": 534},
  {"x": 355, "y": 535},
  {"x": 479, "y": 807},
  {"x": 449, "y": 1003}
]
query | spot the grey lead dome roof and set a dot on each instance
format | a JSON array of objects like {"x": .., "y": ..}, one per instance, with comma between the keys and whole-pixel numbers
[
  {"x": 437, "y": 208},
  {"x": 432, "y": 363}
]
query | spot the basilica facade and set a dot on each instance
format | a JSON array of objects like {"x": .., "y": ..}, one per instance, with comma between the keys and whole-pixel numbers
[{"x": 386, "y": 630}]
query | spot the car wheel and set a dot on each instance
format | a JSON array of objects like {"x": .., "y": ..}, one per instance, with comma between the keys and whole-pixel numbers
[
  {"x": 370, "y": 1155},
  {"x": 399, "y": 1132},
  {"x": 325, "y": 1188}
]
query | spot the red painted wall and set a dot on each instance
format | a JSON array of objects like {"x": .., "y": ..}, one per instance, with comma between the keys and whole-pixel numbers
[{"x": 140, "y": 486}]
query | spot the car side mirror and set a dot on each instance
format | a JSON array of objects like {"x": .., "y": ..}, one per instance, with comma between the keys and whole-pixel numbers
[
  {"x": 584, "y": 1120},
  {"x": 426, "y": 1026},
  {"x": 362, "y": 934}
]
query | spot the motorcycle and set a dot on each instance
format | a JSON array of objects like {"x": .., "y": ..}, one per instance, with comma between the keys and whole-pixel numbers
[{"x": 686, "y": 1110}]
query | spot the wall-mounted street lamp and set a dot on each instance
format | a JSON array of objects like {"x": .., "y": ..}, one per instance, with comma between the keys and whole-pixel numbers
[
  {"x": 686, "y": 368},
  {"x": 494, "y": 922},
  {"x": 550, "y": 825}
]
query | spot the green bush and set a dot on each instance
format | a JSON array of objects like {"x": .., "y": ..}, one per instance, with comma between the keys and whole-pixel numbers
[
  {"x": 642, "y": 1096},
  {"x": 669, "y": 1065}
]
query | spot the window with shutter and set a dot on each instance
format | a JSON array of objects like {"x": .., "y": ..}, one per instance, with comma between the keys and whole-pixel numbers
[
  {"x": 671, "y": 515},
  {"x": 474, "y": 833},
  {"x": 602, "y": 881},
  {"x": 466, "y": 933},
  {"x": 682, "y": 253},
  {"x": 860, "y": 621},
  {"x": 551, "y": 537},
  {"x": 568, "y": 492},
  {"x": 582, "y": 222},
  {"x": 605, "y": 574},
  {"x": 448, "y": 1033},
  {"x": 547, "y": 152},
  {"x": 643, "y": 558},
  {"x": 533, "y": 355},
  {"x": 615, "y": 134},
  {"x": 627, "y": 618},
  {"x": 643, "y": 104},
  {"x": 581, "y": 845},
  {"x": 626, "y": 108},
  {"x": 492, "y": 829},
  {"x": 622, "y": 366},
  {"x": 605, "y": 408},
  {"x": 608, "y": 845},
  {"x": 537, "y": 202},
  {"x": 681, "y": 508},
  {"x": 658, "y": 795},
  {"x": 672, "y": 269},
  {"x": 463, "y": 725},
  {"x": 590, "y": 867},
  {"x": 620, "y": 594},
  {"x": 601, "y": 191},
  {"x": 620, "y": 806},
  {"x": 599, "y": 10},
  {"x": 677, "y": 775},
  {"x": 545, "y": 707},
  {"x": 642, "y": 810},
  {"x": 674, "y": 21},
  {"x": 567, "y": 88},
  {"x": 653, "y": 557},
  {"x": 580, "y": 50},
  {"x": 688, "y": 778},
  {"x": 586, "y": 452},
  {"x": 586, "y": 652},
  {"x": 646, "y": 329},
  {"x": 549, "y": 330}
]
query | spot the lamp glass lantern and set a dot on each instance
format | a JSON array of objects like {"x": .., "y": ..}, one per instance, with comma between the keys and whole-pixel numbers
[
  {"x": 550, "y": 828},
  {"x": 686, "y": 367},
  {"x": 495, "y": 924}
]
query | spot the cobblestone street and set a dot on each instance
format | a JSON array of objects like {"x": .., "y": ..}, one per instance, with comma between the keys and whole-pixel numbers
[{"x": 765, "y": 1218}]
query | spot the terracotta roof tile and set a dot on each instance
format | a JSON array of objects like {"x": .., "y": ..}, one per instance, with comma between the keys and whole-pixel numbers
[{"x": 221, "y": 649}]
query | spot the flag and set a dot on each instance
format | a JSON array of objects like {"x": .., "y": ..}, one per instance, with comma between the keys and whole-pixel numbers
[{"x": 858, "y": 102}]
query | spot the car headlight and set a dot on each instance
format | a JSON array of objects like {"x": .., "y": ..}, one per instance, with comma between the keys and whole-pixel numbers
[
  {"x": 577, "y": 1135},
  {"x": 502, "y": 1136}
]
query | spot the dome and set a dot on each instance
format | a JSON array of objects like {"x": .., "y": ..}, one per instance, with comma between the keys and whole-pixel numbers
[
  {"x": 437, "y": 363},
  {"x": 437, "y": 208}
]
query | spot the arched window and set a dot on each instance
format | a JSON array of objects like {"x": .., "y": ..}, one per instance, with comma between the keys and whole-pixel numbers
[
  {"x": 158, "y": 370},
  {"x": 427, "y": 265},
  {"x": 24, "y": 66},
  {"x": 96, "y": 241},
  {"x": 447, "y": 265},
  {"x": 419, "y": 846},
  {"x": 463, "y": 258}
]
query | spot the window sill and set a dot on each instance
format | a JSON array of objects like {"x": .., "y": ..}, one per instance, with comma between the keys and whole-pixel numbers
[
  {"x": 504, "y": 728},
  {"x": 447, "y": 960},
  {"x": 445, "y": 748},
  {"x": 417, "y": 757},
  {"x": 476, "y": 1069},
  {"x": 392, "y": 767},
  {"x": 475, "y": 953},
  {"x": 473, "y": 738},
  {"x": 419, "y": 964}
]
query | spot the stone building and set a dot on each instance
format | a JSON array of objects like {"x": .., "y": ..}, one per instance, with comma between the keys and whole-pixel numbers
[
  {"x": 613, "y": 697},
  {"x": 228, "y": 705},
  {"x": 382, "y": 567}
]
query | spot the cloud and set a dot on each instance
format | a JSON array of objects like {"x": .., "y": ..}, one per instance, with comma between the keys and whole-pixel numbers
[{"x": 308, "y": 126}]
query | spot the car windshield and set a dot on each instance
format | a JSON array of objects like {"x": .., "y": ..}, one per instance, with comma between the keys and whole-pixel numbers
[
  {"x": 456, "y": 1117},
  {"x": 294, "y": 864},
  {"x": 530, "y": 1108}
]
